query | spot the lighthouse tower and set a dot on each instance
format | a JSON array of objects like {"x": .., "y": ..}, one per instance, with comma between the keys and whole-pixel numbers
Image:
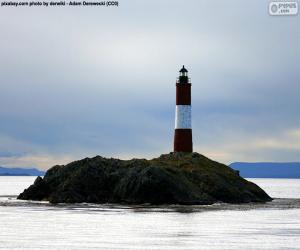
[{"x": 183, "y": 115}]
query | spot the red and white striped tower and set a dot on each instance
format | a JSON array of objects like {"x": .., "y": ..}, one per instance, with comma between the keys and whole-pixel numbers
[{"x": 183, "y": 116}]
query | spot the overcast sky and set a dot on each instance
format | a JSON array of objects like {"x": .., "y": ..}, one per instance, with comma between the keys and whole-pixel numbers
[{"x": 86, "y": 81}]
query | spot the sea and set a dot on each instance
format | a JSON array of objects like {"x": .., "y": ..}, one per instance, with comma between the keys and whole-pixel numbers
[{"x": 40, "y": 225}]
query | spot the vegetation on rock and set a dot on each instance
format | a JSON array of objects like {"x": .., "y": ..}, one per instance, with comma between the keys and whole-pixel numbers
[{"x": 175, "y": 178}]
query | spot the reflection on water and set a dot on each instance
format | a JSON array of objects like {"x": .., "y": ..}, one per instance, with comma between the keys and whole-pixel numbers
[
  {"x": 40, "y": 225},
  {"x": 279, "y": 203}
]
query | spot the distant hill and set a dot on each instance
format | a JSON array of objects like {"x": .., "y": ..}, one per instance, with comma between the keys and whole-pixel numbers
[
  {"x": 20, "y": 172},
  {"x": 267, "y": 169}
]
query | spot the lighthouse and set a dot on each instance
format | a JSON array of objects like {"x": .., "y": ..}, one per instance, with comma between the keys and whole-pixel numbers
[{"x": 183, "y": 114}]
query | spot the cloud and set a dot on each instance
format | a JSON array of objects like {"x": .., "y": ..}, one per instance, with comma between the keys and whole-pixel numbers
[
  {"x": 83, "y": 83},
  {"x": 289, "y": 140},
  {"x": 41, "y": 161},
  {"x": 282, "y": 146}
]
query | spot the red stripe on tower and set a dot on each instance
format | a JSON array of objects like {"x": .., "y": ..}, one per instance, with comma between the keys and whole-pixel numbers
[{"x": 183, "y": 115}]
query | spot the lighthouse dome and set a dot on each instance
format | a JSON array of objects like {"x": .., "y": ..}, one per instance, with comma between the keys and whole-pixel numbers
[{"x": 183, "y": 70}]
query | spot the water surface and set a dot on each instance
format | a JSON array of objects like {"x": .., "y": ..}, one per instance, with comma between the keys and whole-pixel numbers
[{"x": 39, "y": 225}]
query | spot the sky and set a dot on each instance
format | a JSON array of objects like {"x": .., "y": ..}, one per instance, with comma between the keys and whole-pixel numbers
[{"x": 77, "y": 82}]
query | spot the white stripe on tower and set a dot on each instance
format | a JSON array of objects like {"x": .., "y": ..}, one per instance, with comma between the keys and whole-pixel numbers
[{"x": 183, "y": 117}]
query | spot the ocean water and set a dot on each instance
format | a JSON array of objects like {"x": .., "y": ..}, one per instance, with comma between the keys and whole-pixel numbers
[{"x": 39, "y": 225}]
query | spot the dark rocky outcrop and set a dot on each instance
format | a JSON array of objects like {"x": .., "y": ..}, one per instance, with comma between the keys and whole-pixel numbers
[{"x": 175, "y": 178}]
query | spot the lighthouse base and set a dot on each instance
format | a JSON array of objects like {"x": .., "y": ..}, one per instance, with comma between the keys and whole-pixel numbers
[{"x": 183, "y": 140}]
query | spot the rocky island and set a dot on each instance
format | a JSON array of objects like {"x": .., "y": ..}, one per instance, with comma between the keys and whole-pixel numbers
[{"x": 175, "y": 178}]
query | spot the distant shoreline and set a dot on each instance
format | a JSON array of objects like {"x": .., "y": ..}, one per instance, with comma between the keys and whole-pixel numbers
[
  {"x": 20, "y": 175},
  {"x": 288, "y": 170},
  {"x": 7, "y": 171}
]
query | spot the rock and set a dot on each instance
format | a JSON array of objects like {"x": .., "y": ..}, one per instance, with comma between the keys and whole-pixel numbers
[
  {"x": 175, "y": 178},
  {"x": 38, "y": 191}
]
